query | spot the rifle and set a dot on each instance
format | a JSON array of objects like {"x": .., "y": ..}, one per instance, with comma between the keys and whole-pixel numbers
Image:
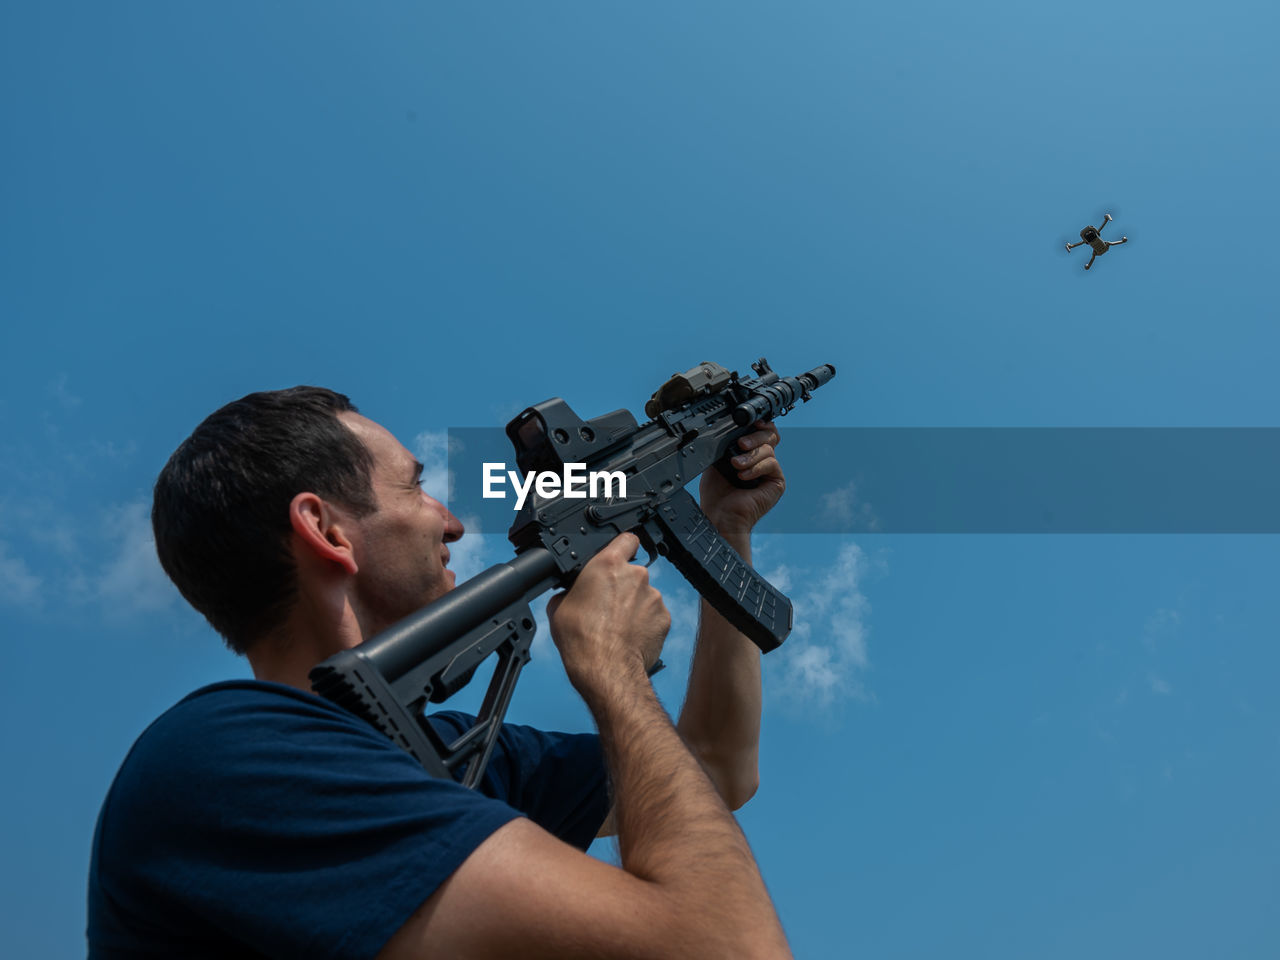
[{"x": 696, "y": 420}]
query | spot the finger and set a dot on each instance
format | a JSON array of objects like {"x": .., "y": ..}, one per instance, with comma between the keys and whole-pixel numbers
[
  {"x": 770, "y": 470},
  {"x": 759, "y": 438},
  {"x": 625, "y": 545},
  {"x": 768, "y": 467},
  {"x": 752, "y": 457},
  {"x": 771, "y": 428}
]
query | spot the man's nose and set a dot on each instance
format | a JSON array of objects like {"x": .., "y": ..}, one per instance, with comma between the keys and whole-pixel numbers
[{"x": 453, "y": 528}]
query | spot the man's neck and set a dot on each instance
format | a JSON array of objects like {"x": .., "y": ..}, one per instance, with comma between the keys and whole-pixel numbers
[{"x": 287, "y": 654}]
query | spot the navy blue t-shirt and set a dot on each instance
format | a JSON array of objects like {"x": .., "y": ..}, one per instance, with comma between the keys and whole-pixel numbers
[{"x": 257, "y": 820}]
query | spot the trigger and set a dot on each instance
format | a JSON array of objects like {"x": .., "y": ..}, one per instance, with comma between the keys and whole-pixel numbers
[{"x": 652, "y": 545}]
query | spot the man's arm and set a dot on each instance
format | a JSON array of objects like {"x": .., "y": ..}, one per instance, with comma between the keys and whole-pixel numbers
[
  {"x": 688, "y": 885},
  {"x": 720, "y": 719}
]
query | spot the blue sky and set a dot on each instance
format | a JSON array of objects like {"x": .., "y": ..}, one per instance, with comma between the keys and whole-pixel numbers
[{"x": 992, "y": 746}]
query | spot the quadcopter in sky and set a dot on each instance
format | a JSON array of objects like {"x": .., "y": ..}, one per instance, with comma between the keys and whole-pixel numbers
[{"x": 1093, "y": 237}]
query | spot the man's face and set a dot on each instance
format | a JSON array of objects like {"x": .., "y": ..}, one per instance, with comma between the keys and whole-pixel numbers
[{"x": 401, "y": 551}]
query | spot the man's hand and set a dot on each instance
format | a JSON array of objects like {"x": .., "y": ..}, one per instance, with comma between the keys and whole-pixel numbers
[
  {"x": 611, "y": 622},
  {"x": 735, "y": 510}
]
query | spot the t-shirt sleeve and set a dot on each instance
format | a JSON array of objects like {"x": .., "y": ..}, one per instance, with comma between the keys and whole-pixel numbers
[
  {"x": 558, "y": 780},
  {"x": 285, "y": 823}
]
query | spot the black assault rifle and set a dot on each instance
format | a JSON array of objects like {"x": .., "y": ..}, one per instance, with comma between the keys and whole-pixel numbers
[{"x": 697, "y": 418}]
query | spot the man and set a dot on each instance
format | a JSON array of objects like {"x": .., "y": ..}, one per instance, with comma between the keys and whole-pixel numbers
[{"x": 256, "y": 819}]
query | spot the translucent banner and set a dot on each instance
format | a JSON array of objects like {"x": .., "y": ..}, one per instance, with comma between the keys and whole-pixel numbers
[{"x": 974, "y": 480}]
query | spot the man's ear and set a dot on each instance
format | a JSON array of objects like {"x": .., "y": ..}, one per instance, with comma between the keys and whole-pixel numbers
[{"x": 322, "y": 531}]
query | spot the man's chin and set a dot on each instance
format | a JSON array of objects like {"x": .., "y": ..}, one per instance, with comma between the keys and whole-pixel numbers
[
  {"x": 442, "y": 585},
  {"x": 448, "y": 580}
]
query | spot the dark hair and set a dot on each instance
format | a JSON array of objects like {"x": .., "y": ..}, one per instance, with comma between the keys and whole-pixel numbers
[{"x": 221, "y": 508}]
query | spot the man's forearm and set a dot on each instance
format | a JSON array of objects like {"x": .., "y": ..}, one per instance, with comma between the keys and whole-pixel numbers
[
  {"x": 720, "y": 719},
  {"x": 676, "y": 832}
]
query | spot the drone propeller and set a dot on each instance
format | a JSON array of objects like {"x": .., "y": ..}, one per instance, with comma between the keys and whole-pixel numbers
[
  {"x": 1111, "y": 208},
  {"x": 1117, "y": 228}
]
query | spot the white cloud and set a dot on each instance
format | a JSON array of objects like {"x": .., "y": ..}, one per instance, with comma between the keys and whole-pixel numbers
[
  {"x": 109, "y": 565},
  {"x": 811, "y": 668},
  {"x": 18, "y": 585},
  {"x": 683, "y": 603},
  {"x": 476, "y": 551},
  {"x": 1160, "y": 628},
  {"x": 432, "y": 448},
  {"x": 1160, "y": 625},
  {"x": 59, "y": 535},
  {"x": 827, "y": 655},
  {"x": 57, "y": 388},
  {"x": 543, "y": 648},
  {"x": 132, "y": 581},
  {"x": 841, "y": 510},
  {"x": 779, "y": 576}
]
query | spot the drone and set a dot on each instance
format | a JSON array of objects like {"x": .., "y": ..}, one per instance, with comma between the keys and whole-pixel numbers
[{"x": 1093, "y": 237}]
